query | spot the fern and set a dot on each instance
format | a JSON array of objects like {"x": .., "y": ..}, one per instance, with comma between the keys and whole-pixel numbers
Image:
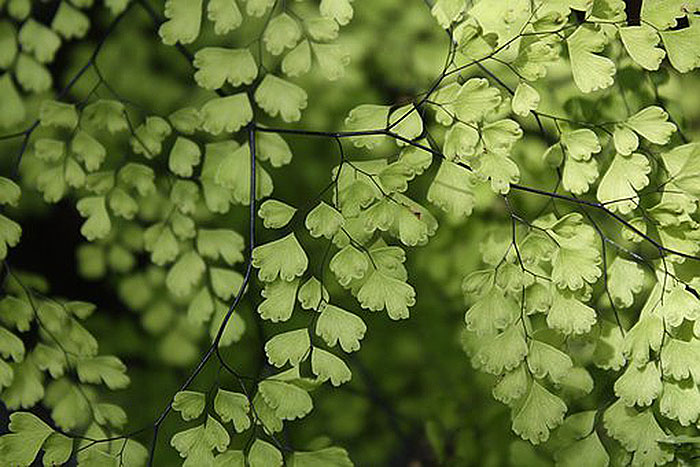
[{"x": 536, "y": 164}]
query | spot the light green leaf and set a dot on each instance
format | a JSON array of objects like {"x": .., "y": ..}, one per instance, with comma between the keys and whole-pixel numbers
[
  {"x": 493, "y": 311},
  {"x": 106, "y": 114},
  {"x": 679, "y": 359},
  {"x": 641, "y": 43},
  {"x": 608, "y": 352},
  {"x": 395, "y": 177},
  {"x": 225, "y": 282},
  {"x": 349, "y": 264},
  {"x": 275, "y": 214},
  {"x": 58, "y": 114},
  {"x": 332, "y": 59},
  {"x": 540, "y": 412},
  {"x": 500, "y": 169},
  {"x": 70, "y": 408},
  {"x": 587, "y": 451},
  {"x": 298, "y": 60},
  {"x": 74, "y": 174},
  {"x": 88, "y": 149},
  {"x": 569, "y": 315},
  {"x": 184, "y": 156},
  {"x": 6, "y": 378},
  {"x": 475, "y": 99},
  {"x": 591, "y": 72},
  {"x": 651, "y": 123},
  {"x": 324, "y": 221},
  {"x": 282, "y": 32},
  {"x": 32, "y": 75},
  {"x": 37, "y": 39},
  {"x": 327, "y": 366},
  {"x": 16, "y": 313},
  {"x": 266, "y": 415},
  {"x": 234, "y": 329},
  {"x": 337, "y": 325},
  {"x": 70, "y": 22},
  {"x": 579, "y": 176},
  {"x": 230, "y": 458},
  {"x": 283, "y": 258},
  {"x": 191, "y": 444},
  {"x": 321, "y": 28},
  {"x": 503, "y": 352},
  {"x": 681, "y": 45},
  {"x": 220, "y": 243},
  {"x": 447, "y": 11},
  {"x": 339, "y": 10},
  {"x": 263, "y": 454},
  {"x": 273, "y": 148},
  {"x": 460, "y": 141},
  {"x": 139, "y": 176},
  {"x": 188, "y": 119},
  {"x": 647, "y": 334},
  {"x": 122, "y": 204},
  {"x": 57, "y": 450},
  {"x": 225, "y": 15},
  {"x": 277, "y": 96},
  {"x": 233, "y": 173},
  {"x": 105, "y": 369},
  {"x": 525, "y": 99},
  {"x": 381, "y": 291},
  {"x": 546, "y": 360},
  {"x": 290, "y": 346},
  {"x": 27, "y": 434},
  {"x": 625, "y": 279},
  {"x": 216, "y": 435},
  {"x": 49, "y": 149},
  {"x": 217, "y": 65},
  {"x": 201, "y": 307},
  {"x": 327, "y": 457},
  {"x": 26, "y": 388},
  {"x": 190, "y": 404},
  {"x": 406, "y": 122},
  {"x": 288, "y": 401},
  {"x": 110, "y": 414},
  {"x": 257, "y": 8},
  {"x": 11, "y": 102},
  {"x": 11, "y": 345},
  {"x": 184, "y": 194},
  {"x": 683, "y": 164},
  {"x": 226, "y": 114},
  {"x": 576, "y": 262},
  {"x": 232, "y": 406},
  {"x": 98, "y": 223},
  {"x": 581, "y": 144},
  {"x": 680, "y": 401},
  {"x": 626, "y": 140},
  {"x": 185, "y": 274},
  {"x": 9, "y": 192},
  {"x": 8, "y": 44},
  {"x": 160, "y": 241},
  {"x": 280, "y": 296},
  {"x": 512, "y": 386},
  {"x": 311, "y": 295},
  {"x": 639, "y": 385},
  {"x": 626, "y": 176},
  {"x": 367, "y": 117},
  {"x": 638, "y": 433},
  {"x": 184, "y": 18},
  {"x": 49, "y": 359}
]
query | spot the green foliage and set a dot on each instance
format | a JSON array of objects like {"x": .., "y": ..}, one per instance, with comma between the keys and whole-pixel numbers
[{"x": 528, "y": 167}]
